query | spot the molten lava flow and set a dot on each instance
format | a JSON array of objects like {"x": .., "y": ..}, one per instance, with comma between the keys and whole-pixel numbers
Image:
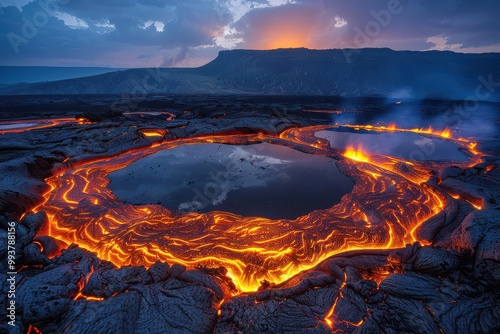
[
  {"x": 356, "y": 154},
  {"x": 153, "y": 132},
  {"x": 392, "y": 127},
  {"x": 472, "y": 147},
  {"x": 387, "y": 205},
  {"x": 446, "y": 133},
  {"x": 26, "y": 125},
  {"x": 468, "y": 144}
]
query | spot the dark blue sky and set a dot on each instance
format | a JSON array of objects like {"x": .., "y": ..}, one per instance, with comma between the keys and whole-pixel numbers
[{"x": 139, "y": 33}]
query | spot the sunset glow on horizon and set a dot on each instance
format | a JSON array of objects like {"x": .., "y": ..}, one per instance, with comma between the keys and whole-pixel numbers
[
  {"x": 284, "y": 43},
  {"x": 287, "y": 41},
  {"x": 140, "y": 33}
]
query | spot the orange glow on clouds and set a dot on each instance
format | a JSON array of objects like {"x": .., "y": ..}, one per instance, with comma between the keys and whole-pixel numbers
[
  {"x": 287, "y": 28},
  {"x": 284, "y": 36}
]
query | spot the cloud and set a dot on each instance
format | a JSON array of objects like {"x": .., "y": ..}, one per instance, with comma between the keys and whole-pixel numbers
[
  {"x": 90, "y": 31},
  {"x": 16, "y": 3},
  {"x": 189, "y": 33},
  {"x": 340, "y": 22},
  {"x": 159, "y": 26},
  {"x": 285, "y": 26},
  {"x": 229, "y": 39},
  {"x": 441, "y": 43},
  {"x": 71, "y": 21}
]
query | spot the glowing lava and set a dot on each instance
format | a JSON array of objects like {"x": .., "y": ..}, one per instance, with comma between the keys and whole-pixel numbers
[
  {"x": 26, "y": 125},
  {"x": 153, "y": 132},
  {"x": 446, "y": 133},
  {"x": 385, "y": 208},
  {"x": 356, "y": 154}
]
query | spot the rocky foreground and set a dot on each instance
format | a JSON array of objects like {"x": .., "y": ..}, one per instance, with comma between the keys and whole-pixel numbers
[{"x": 450, "y": 286}]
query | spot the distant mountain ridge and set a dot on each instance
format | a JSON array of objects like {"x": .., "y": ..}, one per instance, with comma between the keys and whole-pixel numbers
[
  {"x": 363, "y": 72},
  {"x": 31, "y": 74}
]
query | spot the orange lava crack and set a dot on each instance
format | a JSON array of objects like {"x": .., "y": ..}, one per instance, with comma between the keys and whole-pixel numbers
[{"x": 384, "y": 210}]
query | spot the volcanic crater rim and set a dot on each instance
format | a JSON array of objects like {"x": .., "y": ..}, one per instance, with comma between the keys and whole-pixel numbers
[{"x": 383, "y": 211}]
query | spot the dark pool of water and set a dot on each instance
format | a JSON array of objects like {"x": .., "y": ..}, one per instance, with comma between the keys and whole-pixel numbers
[
  {"x": 406, "y": 145},
  {"x": 256, "y": 180}
]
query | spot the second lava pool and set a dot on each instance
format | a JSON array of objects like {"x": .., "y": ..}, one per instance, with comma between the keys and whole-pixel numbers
[{"x": 262, "y": 180}]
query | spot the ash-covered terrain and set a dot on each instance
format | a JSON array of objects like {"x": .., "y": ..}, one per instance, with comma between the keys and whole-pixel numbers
[{"x": 447, "y": 282}]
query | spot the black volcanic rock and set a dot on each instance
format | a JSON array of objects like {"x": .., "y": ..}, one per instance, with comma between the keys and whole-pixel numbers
[
  {"x": 99, "y": 115},
  {"x": 363, "y": 72},
  {"x": 418, "y": 289},
  {"x": 478, "y": 235}
]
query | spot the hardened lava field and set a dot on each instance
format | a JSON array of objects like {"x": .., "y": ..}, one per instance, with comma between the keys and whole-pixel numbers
[{"x": 389, "y": 201}]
